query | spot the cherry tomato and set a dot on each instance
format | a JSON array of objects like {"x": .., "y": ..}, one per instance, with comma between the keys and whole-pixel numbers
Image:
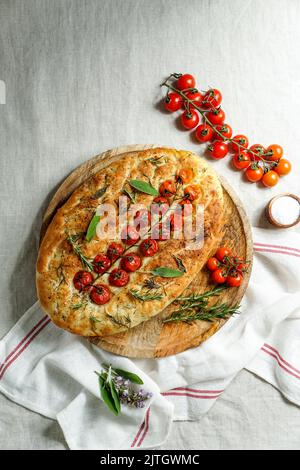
[
  {"x": 212, "y": 263},
  {"x": 142, "y": 218},
  {"x": 234, "y": 279},
  {"x": 160, "y": 232},
  {"x": 240, "y": 139},
  {"x": 204, "y": 133},
  {"x": 149, "y": 247},
  {"x": 222, "y": 252},
  {"x": 173, "y": 102},
  {"x": 196, "y": 97},
  {"x": 218, "y": 149},
  {"x": 190, "y": 119},
  {"x": 185, "y": 175},
  {"x": 191, "y": 192},
  {"x": 270, "y": 178},
  {"x": 186, "y": 206},
  {"x": 101, "y": 264},
  {"x": 82, "y": 279},
  {"x": 274, "y": 152},
  {"x": 254, "y": 173},
  {"x": 161, "y": 200},
  {"x": 118, "y": 277},
  {"x": 218, "y": 276},
  {"x": 167, "y": 188},
  {"x": 212, "y": 99},
  {"x": 216, "y": 116},
  {"x": 185, "y": 81},
  {"x": 114, "y": 251},
  {"x": 283, "y": 167},
  {"x": 100, "y": 294},
  {"x": 225, "y": 130},
  {"x": 241, "y": 160},
  {"x": 129, "y": 235},
  {"x": 258, "y": 149},
  {"x": 131, "y": 262}
]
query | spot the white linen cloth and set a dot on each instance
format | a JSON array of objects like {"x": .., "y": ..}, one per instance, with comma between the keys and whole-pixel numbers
[{"x": 51, "y": 371}]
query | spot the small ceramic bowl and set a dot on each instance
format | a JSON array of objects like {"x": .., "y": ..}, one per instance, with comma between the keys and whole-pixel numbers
[{"x": 269, "y": 211}]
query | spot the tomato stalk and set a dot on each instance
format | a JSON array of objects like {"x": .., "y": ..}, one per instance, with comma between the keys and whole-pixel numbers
[{"x": 188, "y": 102}]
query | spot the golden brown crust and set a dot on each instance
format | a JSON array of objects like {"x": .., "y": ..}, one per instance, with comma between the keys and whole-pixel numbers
[{"x": 57, "y": 263}]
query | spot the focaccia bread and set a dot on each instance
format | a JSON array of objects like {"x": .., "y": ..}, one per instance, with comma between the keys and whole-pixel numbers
[{"x": 65, "y": 250}]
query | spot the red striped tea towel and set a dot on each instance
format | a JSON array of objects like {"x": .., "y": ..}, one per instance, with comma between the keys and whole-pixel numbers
[{"x": 51, "y": 372}]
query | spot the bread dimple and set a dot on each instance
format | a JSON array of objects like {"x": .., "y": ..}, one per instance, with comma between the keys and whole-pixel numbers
[{"x": 57, "y": 263}]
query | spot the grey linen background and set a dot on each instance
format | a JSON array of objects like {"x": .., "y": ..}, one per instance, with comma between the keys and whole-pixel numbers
[{"x": 82, "y": 77}]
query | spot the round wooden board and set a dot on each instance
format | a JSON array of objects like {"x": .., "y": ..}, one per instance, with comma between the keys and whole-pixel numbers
[{"x": 154, "y": 338}]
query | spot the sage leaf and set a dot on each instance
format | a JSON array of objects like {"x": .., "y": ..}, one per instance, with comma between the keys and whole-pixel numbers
[
  {"x": 92, "y": 227},
  {"x": 167, "y": 272},
  {"x": 107, "y": 397},
  {"x": 115, "y": 396},
  {"x": 143, "y": 187},
  {"x": 130, "y": 376},
  {"x": 100, "y": 192}
]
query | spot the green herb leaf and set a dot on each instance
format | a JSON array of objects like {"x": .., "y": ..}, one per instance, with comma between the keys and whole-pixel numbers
[
  {"x": 166, "y": 272},
  {"x": 92, "y": 227},
  {"x": 107, "y": 397},
  {"x": 100, "y": 192},
  {"x": 180, "y": 264},
  {"x": 115, "y": 396},
  {"x": 94, "y": 319},
  {"x": 145, "y": 297},
  {"x": 130, "y": 376},
  {"x": 143, "y": 187}
]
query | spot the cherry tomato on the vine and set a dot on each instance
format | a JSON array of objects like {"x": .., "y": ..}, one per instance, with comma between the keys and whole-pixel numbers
[
  {"x": 216, "y": 116},
  {"x": 101, "y": 264},
  {"x": 222, "y": 253},
  {"x": 129, "y": 235},
  {"x": 131, "y": 262},
  {"x": 185, "y": 81},
  {"x": 234, "y": 279},
  {"x": 118, "y": 277},
  {"x": 254, "y": 173},
  {"x": 100, "y": 294},
  {"x": 283, "y": 167},
  {"x": 114, "y": 251},
  {"x": 196, "y": 97},
  {"x": 167, "y": 188},
  {"x": 149, "y": 247},
  {"x": 204, "y": 133},
  {"x": 82, "y": 279},
  {"x": 240, "y": 139},
  {"x": 212, "y": 99},
  {"x": 190, "y": 119},
  {"x": 212, "y": 263},
  {"x": 270, "y": 178},
  {"x": 225, "y": 130},
  {"x": 218, "y": 276},
  {"x": 173, "y": 102},
  {"x": 218, "y": 149},
  {"x": 274, "y": 152},
  {"x": 241, "y": 160},
  {"x": 258, "y": 149},
  {"x": 184, "y": 175},
  {"x": 191, "y": 192}
]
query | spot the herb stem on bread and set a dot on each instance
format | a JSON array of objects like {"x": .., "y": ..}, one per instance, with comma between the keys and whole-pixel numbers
[
  {"x": 86, "y": 263},
  {"x": 195, "y": 307}
]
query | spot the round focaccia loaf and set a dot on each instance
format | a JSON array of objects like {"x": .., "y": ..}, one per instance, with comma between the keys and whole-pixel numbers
[{"x": 58, "y": 261}]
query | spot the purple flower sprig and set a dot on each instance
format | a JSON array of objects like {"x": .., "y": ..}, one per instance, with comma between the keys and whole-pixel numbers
[{"x": 117, "y": 387}]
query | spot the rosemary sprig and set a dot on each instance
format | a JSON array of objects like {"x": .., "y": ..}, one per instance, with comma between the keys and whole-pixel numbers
[
  {"x": 86, "y": 263},
  {"x": 124, "y": 321},
  {"x": 135, "y": 293},
  {"x": 157, "y": 161},
  {"x": 214, "y": 312},
  {"x": 129, "y": 194},
  {"x": 195, "y": 307}
]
